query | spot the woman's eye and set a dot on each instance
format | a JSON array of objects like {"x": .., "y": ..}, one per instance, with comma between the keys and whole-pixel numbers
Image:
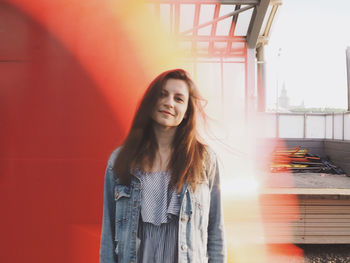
[
  {"x": 162, "y": 95},
  {"x": 179, "y": 99}
]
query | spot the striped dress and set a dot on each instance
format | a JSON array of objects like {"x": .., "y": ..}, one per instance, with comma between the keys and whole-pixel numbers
[{"x": 158, "y": 226}]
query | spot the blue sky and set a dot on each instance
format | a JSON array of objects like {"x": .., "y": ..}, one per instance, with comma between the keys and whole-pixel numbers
[{"x": 312, "y": 37}]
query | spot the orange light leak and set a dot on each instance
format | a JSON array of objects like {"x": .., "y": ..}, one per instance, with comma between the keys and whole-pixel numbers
[
  {"x": 121, "y": 45},
  {"x": 258, "y": 218},
  {"x": 256, "y": 230}
]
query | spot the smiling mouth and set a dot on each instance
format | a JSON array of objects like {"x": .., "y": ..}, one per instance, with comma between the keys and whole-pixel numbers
[{"x": 167, "y": 113}]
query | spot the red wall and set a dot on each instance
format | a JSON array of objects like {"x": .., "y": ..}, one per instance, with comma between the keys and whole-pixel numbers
[{"x": 57, "y": 130}]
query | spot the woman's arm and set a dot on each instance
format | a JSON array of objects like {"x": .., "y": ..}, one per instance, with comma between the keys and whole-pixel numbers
[
  {"x": 107, "y": 253},
  {"x": 216, "y": 242}
]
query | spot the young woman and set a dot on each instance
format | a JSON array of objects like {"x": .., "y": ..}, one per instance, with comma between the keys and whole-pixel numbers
[{"x": 162, "y": 188}]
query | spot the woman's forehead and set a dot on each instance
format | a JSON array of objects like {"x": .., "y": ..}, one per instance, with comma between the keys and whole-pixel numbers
[{"x": 176, "y": 86}]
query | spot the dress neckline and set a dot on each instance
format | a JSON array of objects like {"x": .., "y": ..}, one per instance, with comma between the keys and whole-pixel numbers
[{"x": 155, "y": 172}]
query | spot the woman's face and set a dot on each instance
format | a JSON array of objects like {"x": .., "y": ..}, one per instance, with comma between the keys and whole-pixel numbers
[{"x": 172, "y": 103}]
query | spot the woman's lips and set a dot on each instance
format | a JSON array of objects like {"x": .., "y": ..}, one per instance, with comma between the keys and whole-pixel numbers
[{"x": 166, "y": 112}]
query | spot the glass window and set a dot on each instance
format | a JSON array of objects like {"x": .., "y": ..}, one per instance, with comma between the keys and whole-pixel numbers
[{"x": 243, "y": 22}]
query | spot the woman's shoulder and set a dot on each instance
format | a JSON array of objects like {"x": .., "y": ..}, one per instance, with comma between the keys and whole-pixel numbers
[
  {"x": 210, "y": 165},
  {"x": 113, "y": 156},
  {"x": 209, "y": 155}
]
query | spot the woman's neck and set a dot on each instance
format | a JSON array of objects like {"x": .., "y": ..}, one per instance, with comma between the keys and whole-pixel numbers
[{"x": 164, "y": 137}]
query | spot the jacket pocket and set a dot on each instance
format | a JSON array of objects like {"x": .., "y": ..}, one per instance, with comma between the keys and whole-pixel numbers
[{"x": 121, "y": 191}]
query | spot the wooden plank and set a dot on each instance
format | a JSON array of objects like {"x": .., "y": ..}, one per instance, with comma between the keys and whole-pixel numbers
[
  {"x": 338, "y": 202},
  {"x": 312, "y": 219},
  {"x": 281, "y": 218},
  {"x": 282, "y": 210},
  {"x": 307, "y": 192},
  {"x": 321, "y": 224},
  {"x": 311, "y": 228},
  {"x": 307, "y": 210},
  {"x": 319, "y": 232},
  {"x": 333, "y": 216},
  {"x": 337, "y": 147},
  {"x": 327, "y": 239},
  {"x": 325, "y": 220},
  {"x": 317, "y": 240}
]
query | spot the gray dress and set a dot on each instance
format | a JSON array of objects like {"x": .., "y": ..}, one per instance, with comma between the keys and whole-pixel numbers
[{"x": 158, "y": 226}]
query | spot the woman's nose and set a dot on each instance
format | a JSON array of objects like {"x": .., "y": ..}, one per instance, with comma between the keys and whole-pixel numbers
[{"x": 169, "y": 102}]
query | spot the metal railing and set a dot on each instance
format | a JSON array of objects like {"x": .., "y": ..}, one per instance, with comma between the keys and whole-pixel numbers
[{"x": 331, "y": 126}]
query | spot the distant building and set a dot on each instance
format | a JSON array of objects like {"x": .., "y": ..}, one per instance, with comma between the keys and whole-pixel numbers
[
  {"x": 284, "y": 102},
  {"x": 283, "y": 99}
]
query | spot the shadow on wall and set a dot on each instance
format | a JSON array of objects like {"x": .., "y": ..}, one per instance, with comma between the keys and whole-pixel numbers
[{"x": 56, "y": 135}]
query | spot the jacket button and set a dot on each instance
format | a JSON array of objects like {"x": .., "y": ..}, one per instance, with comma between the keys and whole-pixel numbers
[
  {"x": 116, "y": 194},
  {"x": 183, "y": 247}
]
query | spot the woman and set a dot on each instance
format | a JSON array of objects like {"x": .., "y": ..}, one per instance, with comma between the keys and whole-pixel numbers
[{"x": 162, "y": 196}]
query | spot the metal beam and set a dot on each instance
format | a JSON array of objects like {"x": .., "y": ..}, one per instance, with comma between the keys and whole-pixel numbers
[
  {"x": 232, "y": 29},
  {"x": 270, "y": 20},
  {"x": 264, "y": 37},
  {"x": 348, "y": 73},
  {"x": 249, "y": 81},
  {"x": 177, "y": 18},
  {"x": 222, "y": 50},
  {"x": 172, "y": 19},
  {"x": 213, "y": 29},
  {"x": 195, "y": 24},
  {"x": 205, "y": 55},
  {"x": 261, "y": 90},
  {"x": 218, "y": 19},
  {"x": 222, "y": 2},
  {"x": 213, "y": 60},
  {"x": 216, "y": 38},
  {"x": 256, "y": 23}
]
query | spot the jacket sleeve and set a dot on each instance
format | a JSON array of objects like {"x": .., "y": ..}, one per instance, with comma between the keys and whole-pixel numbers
[
  {"x": 107, "y": 253},
  {"x": 216, "y": 241}
]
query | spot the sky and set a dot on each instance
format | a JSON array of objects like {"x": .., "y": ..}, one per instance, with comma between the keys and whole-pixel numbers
[{"x": 311, "y": 38}]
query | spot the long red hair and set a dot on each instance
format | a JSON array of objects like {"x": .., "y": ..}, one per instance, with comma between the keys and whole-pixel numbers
[{"x": 140, "y": 145}]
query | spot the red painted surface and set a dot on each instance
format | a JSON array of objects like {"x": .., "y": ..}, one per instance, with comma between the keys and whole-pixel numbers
[
  {"x": 66, "y": 100},
  {"x": 83, "y": 243}
]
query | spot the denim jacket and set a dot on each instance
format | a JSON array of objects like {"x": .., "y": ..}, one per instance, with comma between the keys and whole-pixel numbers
[{"x": 201, "y": 233}]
